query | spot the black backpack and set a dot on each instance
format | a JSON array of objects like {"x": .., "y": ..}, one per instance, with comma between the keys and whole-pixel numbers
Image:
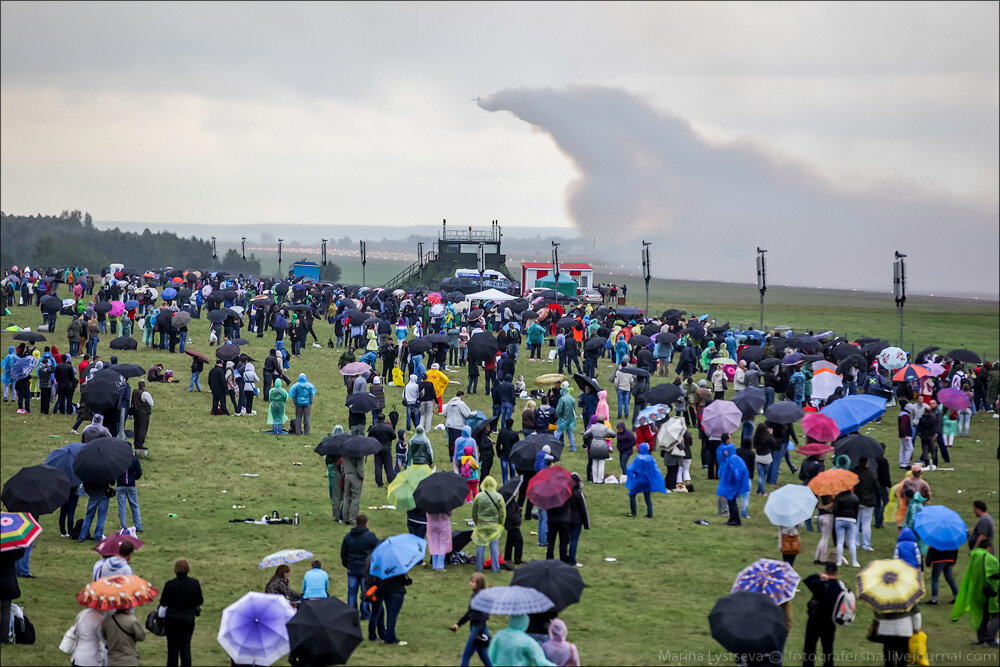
[
  {"x": 24, "y": 631},
  {"x": 74, "y": 532}
]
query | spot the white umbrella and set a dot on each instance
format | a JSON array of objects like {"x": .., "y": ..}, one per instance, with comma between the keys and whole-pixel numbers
[
  {"x": 670, "y": 433},
  {"x": 824, "y": 383},
  {"x": 892, "y": 358},
  {"x": 790, "y": 505}
]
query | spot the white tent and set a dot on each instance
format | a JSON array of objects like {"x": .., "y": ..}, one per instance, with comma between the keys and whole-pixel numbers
[{"x": 490, "y": 295}]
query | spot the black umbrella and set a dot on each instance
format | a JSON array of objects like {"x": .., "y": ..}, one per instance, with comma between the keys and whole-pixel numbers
[
  {"x": 628, "y": 311},
  {"x": 749, "y": 401},
  {"x": 475, "y": 314},
  {"x": 419, "y": 346},
  {"x": 36, "y": 489},
  {"x": 482, "y": 346},
  {"x": 183, "y": 294},
  {"x": 102, "y": 307},
  {"x": 666, "y": 393},
  {"x": 124, "y": 343},
  {"x": 595, "y": 343},
  {"x": 102, "y": 460},
  {"x": 227, "y": 352},
  {"x": 218, "y": 316},
  {"x": 461, "y": 538},
  {"x": 559, "y": 581},
  {"x": 650, "y": 330},
  {"x": 241, "y": 341},
  {"x": 324, "y": 631},
  {"x": 102, "y": 390},
  {"x": 967, "y": 356},
  {"x": 784, "y": 412},
  {"x": 455, "y": 297},
  {"x": 922, "y": 354},
  {"x": 853, "y": 361},
  {"x": 282, "y": 287},
  {"x": 582, "y": 381},
  {"x": 518, "y": 305},
  {"x": 510, "y": 489},
  {"x": 129, "y": 370},
  {"x": 481, "y": 427},
  {"x": 672, "y": 312},
  {"x": 634, "y": 370},
  {"x": 768, "y": 364},
  {"x": 30, "y": 336},
  {"x": 436, "y": 338},
  {"x": 529, "y": 315},
  {"x": 730, "y": 627},
  {"x": 355, "y": 316},
  {"x": 872, "y": 349},
  {"x": 352, "y": 446},
  {"x": 665, "y": 338},
  {"x": 859, "y": 446},
  {"x": 752, "y": 353},
  {"x": 566, "y": 323},
  {"x": 361, "y": 401},
  {"x": 51, "y": 304},
  {"x": 640, "y": 341},
  {"x": 842, "y": 351},
  {"x": 524, "y": 453},
  {"x": 441, "y": 492}
]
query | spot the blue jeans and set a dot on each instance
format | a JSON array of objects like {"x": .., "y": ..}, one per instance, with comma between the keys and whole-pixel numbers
[
  {"x": 846, "y": 533},
  {"x": 572, "y": 439},
  {"x": 494, "y": 556},
  {"x": 392, "y": 604},
  {"x": 649, "y": 503},
  {"x": 74, "y": 348},
  {"x": 470, "y": 647},
  {"x": 182, "y": 339},
  {"x": 23, "y": 564},
  {"x": 127, "y": 494},
  {"x": 506, "y": 412},
  {"x": 543, "y": 527},
  {"x": 762, "y": 470},
  {"x": 774, "y": 468},
  {"x": 437, "y": 561},
  {"x": 92, "y": 345},
  {"x": 507, "y": 470},
  {"x": 96, "y": 505},
  {"x": 768, "y": 397},
  {"x": 623, "y": 400},
  {"x": 865, "y": 525},
  {"x": 194, "y": 381},
  {"x": 936, "y": 570},
  {"x": 574, "y": 539},
  {"x": 354, "y": 583},
  {"x": 745, "y": 505},
  {"x": 412, "y": 416}
]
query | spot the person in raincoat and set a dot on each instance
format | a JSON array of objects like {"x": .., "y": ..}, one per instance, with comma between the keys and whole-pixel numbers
[
  {"x": 8, "y": 364},
  {"x": 148, "y": 327},
  {"x": 621, "y": 350},
  {"x": 336, "y": 478},
  {"x": 907, "y": 549},
  {"x": 469, "y": 470},
  {"x": 535, "y": 338},
  {"x": 706, "y": 357},
  {"x": 603, "y": 410},
  {"x": 734, "y": 480},
  {"x": 643, "y": 476},
  {"x": 419, "y": 451},
  {"x": 797, "y": 387},
  {"x": 438, "y": 538},
  {"x": 463, "y": 441},
  {"x": 978, "y": 595},
  {"x": 440, "y": 382},
  {"x": 566, "y": 417},
  {"x": 512, "y": 646},
  {"x": 276, "y": 414},
  {"x": 489, "y": 511}
]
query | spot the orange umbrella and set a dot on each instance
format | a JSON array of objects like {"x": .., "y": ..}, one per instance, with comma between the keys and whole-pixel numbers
[
  {"x": 832, "y": 482},
  {"x": 118, "y": 592},
  {"x": 919, "y": 371}
]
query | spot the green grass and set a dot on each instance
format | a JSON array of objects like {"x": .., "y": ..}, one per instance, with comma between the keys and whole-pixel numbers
[{"x": 649, "y": 606}]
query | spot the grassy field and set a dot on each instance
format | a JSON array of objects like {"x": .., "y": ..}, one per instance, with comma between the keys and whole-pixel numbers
[{"x": 668, "y": 571}]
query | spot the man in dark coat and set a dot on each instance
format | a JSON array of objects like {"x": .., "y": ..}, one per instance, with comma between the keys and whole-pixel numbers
[
  {"x": 382, "y": 432},
  {"x": 355, "y": 549},
  {"x": 217, "y": 385},
  {"x": 65, "y": 378}
]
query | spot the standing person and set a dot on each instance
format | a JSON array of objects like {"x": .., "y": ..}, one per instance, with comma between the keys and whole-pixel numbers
[
  {"x": 820, "y": 626},
  {"x": 315, "y": 582},
  {"x": 479, "y": 632},
  {"x": 845, "y": 522},
  {"x": 127, "y": 495},
  {"x": 514, "y": 646},
  {"x": 393, "y": 593},
  {"x": 927, "y": 429},
  {"x": 383, "y": 432},
  {"x": 484, "y": 447},
  {"x": 981, "y": 536},
  {"x": 626, "y": 445},
  {"x": 142, "y": 408},
  {"x": 355, "y": 549},
  {"x": 557, "y": 649},
  {"x": 217, "y": 385},
  {"x": 88, "y": 647},
  {"x": 488, "y": 514},
  {"x": 427, "y": 398},
  {"x": 272, "y": 370},
  {"x": 180, "y": 603},
  {"x": 302, "y": 394},
  {"x": 455, "y": 413},
  {"x": 867, "y": 493},
  {"x": 905, "y": 430},
  {"x": 623, "y": 383},
  {"x": 197, "y": 366},
  {"x": 788, "y": 543},
  {"x": 249, "y": 388},
  {"x": 506, "y": 441},
  {"x": 97, "y": 506},
  {"x": 734, "y": 479},
  {"x": 354, "y": 478},
  {"x": 566, "y": 416},
  {"x": 824, "y": 520},
  {"x": 276, "y": 412},
  {"x": 978, "y": 596},
  {"x": 941, "y": 562},
  {"x": 65, "y": 377},
  {"x": 469, "y": 470},
  {"x": 121, "y": 632},
  {"x": 411, "y": 402},
  {"x": 579, "y": 518},
  {"x": 419, "y": 451},
  {"x": 438, "y": 538},
  {"x": 643, "y": 476},
  {"x": 9, "y": 588}
]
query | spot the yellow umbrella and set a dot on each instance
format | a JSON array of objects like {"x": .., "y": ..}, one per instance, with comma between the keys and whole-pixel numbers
[
  {"x": 550, "y": 378},
  {"x": 725, "y": 361},
  {"x": 402, "y": 487},
  {"x": 890, "y": 585}
]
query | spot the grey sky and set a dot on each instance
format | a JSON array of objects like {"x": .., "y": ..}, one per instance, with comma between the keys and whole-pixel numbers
[{"x": 355, "y": 114}]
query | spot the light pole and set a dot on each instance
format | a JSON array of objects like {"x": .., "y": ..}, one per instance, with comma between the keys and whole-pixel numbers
[
  {"x": 761, "y": 282},
  {"x": 322, "y": 251},
  {"x": 646, "y": 270},
  {"x": 555, "y": 264},
  {"x": 364, "y": 261},
  {"x": 899, "y": 288},
  {"x": 279, "y": 258},
  {"x": 215, "y": 255},
  {"x": 243, "y": 245},
  {"x": 481, "y": 263},
  {"x": 420, "y": 262}
]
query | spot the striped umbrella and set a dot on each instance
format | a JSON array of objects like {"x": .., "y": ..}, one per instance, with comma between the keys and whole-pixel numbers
[
  {"x": 774, "y": 578},
  {"x": 284, "y": 557},
  {"x": 17, "y": 529}
]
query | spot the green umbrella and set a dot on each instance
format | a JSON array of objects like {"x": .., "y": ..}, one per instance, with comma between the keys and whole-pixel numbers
[{"x": 402, "y": 487}]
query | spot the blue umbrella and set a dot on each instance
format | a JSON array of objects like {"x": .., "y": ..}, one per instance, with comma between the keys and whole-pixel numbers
[
  {"x": 131, "y": 304},
  {"x": 22, "y": 368},
  {"x": 253, "y": 629},
  {"x": 169, "y": 293},
  {"x": 62, "y": 458},
  {"x": 397, "y": 555},
  {"x": 852, "y": 412},
  {"x": 475, "y": 419},
  {"x": 774, "y": 578},
  {"x": 940, "y": 527}
]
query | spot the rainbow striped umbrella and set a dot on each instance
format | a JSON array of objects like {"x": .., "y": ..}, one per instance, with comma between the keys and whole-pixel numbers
[
  {"x": 774, "y": 578},
  {"x": 17, "y": 529}
]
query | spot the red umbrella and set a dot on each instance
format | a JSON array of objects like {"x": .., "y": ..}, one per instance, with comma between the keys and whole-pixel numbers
[
  {"x": 196, "y": 355},
  {"x": 814, "y": 449},
  {"x": 109, "y": 545},
  {"x": 820, "y": 427},
  {"x": 550, "y": 488}
]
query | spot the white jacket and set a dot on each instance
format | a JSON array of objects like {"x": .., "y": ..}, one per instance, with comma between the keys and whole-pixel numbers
[
  {"x": 455, "y": 412},
  {"x": 249, "y": 377},
  {"x": 411, "y": 391},
  {"x": 90, "y": 648}
]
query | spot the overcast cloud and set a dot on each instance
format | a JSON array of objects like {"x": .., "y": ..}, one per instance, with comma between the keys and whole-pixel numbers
[{"x": 363, "y": 114}]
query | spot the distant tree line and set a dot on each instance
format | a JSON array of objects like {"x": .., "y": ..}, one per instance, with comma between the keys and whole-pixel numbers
[{"x": 70, "y": 239}]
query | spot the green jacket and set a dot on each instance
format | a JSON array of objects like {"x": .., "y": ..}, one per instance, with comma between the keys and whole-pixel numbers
[
  {"x": 419, "y": 451},
  {"x": 512, "y": 646},
  {"x": 566, "y": 411},
  {"x": 981, "y": 572},
  {"x": 536, "y": 334}
]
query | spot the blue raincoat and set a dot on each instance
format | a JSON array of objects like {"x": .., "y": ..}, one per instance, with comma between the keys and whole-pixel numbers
[
  {"x": 8, "y": 364},
  {"x": 734, "y": 478},
  {"x": 643, "y": 475}
]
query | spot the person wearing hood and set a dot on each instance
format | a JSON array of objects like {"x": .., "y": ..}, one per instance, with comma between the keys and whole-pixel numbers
[
  {"x": 411, "y": 402},
  {"x": 907, "y": 549},
  {"x": 535, "y": 338},
  {"x": 978, "y": 596},
  {"x": 438, "y": 538},
  {"x": 463, "y": 441},
  {"x": 588, "y": 403},
  {"x": 734, "y": 480},
  {"x": 440, "y": 382},
  {"x": 557, "y": 649},
  {"x": 276, "y": 413},
  {"x": 543, "y": 459},
  {"x": 626, "y": 443},
  {"x": 114, "y": 565},
  {"x": 566, "y": 417},
  {"x": 335, "y": 476},
  {"x": 469, "y": 470},
  {"x": 354, "y": 478},
  {"x": 488, "y": 514},
  {"x": 643, "y": 476},
  {"x": 513, "y": 646},
  {"x": 302, "y": 394},
  {"x": 249, "y": 388},
  {"x": 419, "y": 451},
  {"x": 456, "y": 411},
  {"x": 95, "y": 430}
]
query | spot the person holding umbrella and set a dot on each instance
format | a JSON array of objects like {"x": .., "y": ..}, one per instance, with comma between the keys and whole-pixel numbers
[{"x": 477, "y": 620}]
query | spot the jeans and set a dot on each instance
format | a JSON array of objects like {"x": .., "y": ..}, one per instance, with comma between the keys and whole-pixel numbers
[
  {"x": 23, "y": 564},
  {"x": 506, "y": 412},
  {"x": 559, "y": 433},
  {"x": 437, "y": 561},
  {"x": 964, "y": 419},
  {"x": 881, "y": 500},
  {"x": 762, "y": 469},
  {"x": 194, "y": 381},
  {"x": 96, "y": 505},
  {"x": 354, "y": 582},
  {"x": 623, "y": 400},
  {"x": 775, "y": 467},
  {"x": 182, "y": 337},
  {"x": 67, "y": 513},
  {"x": 649, "y": 503},
  {"x": 865, "y": 513},
  {"x": 543, "y": 527},
  {"x": 936, "y": 571},
  {"x": 507, "y": 470},
  {"x": 768, "y": 397},
  {"x": 92, "y": 345},
  {"x": 575, "y": 530},
  {"x": 470, "y": 647},
  {"x": 847, "y": 532},
  {"x": 412, "y": 417},
  {"x": 494, "y": 554},
  {"x": 74, "y": 348},
  {"x": 622, "y": 461},
  {"x": 127, "y": 494},
  {"x": 745, "y": 505}
]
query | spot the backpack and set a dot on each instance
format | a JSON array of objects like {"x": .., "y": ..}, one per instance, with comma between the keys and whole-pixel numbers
[
  {"x": 790, "y": 544},
  {"x": 24, "y": 631},
  {"x": 74, "y": 532},
  {"x": 844, "y": 609},
  {"x": 466, "y": 471}
]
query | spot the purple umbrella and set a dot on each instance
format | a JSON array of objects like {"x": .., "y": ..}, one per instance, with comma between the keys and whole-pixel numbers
[
  {"x": 253, "y": 629},
  {"x": 355, "y": 368},
  {"x": 953, "y": 399},
  {"x": 721, "y": 417}
]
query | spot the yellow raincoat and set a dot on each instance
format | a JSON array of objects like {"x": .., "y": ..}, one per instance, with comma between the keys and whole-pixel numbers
[
  {"x": 439, "y": 380},
  {"x": 489, "y": 511}
]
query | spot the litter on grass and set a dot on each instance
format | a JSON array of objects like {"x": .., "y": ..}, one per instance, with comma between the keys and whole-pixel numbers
[
  {"x": 611, "y": 560},
  {"x": 250, "y": 474}
]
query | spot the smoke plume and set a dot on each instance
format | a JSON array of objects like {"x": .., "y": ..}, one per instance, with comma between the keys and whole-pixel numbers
[{"x": 706, "y": 207}]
